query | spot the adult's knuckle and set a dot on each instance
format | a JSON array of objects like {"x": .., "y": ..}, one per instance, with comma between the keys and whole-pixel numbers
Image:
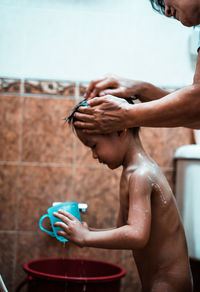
[
  {"x": 112, "y": 78},
  {"x": 92, "y": 81}
]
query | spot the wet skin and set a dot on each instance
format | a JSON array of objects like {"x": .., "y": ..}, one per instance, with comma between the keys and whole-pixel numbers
[
  {"x": 148, "y": 222},
  {"x": 163, "y": 262}
]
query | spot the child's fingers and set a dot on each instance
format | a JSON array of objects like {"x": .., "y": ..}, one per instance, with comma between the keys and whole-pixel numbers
[
  {"x": 62, "y": 217},
  {"x": 61, "y": 225},
  {"x": 67, "y": 215},
  {"x": 62, "y": 233}
]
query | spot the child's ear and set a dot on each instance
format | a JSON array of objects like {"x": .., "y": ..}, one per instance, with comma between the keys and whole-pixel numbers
[{"x": 122, "y": 134}]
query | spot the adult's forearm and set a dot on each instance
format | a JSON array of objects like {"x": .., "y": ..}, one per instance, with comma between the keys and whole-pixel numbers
[
  {"x": 180, "y": 108},
  {"x": 149, "y": 92}
]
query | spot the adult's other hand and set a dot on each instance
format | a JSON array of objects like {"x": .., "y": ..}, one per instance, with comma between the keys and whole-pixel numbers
[{"x": 113, "y": 85}]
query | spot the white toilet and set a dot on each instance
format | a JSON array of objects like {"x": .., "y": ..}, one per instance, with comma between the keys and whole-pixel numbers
[{"x": 187, "y": 193}]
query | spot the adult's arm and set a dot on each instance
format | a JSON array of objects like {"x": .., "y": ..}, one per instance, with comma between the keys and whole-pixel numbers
[
  {"x": 178, "y": 109},
  {"x": 123, "y": 87}
]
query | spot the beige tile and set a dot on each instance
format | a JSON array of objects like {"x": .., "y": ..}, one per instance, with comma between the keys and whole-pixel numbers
[
  {"x": 99, "y": 188},
  {"x": 161, "y": 143},
  {"x": 38, "y": 188},
  {"x": 10, "y": 127},
  {"x": 107, "y": 255},
  {"x": 46, "y": 136},
  {"x": 8, "y": 194}
]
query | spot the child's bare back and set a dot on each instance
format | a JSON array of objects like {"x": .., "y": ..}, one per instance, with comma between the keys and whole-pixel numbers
[{"x": 163, "y": 260}]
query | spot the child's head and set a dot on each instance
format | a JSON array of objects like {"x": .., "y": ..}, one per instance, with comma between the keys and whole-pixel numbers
[{"x": 110, "y": 148}]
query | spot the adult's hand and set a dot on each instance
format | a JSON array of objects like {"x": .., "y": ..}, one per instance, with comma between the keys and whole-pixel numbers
[
  {"x": 104, "y": 115},
  {"x": 113, "y": 85}
]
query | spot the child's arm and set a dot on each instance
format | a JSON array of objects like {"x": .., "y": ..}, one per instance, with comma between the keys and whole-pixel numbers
[
  {"x": 133, "y": 235},
  {"x": 96, "y": 229}
]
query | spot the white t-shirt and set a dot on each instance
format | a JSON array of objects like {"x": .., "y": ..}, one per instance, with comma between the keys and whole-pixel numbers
[{"x": 198, "y": 46}]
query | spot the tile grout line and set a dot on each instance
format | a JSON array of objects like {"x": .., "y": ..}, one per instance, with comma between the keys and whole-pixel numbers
[
  {"x": 18, "y": 231},
  {"x": 73, "y": 166},
  {"x": 41, "y": 164},
  {"x": 37, "y": 95},
  {"x": 74, "y": 147},
  {"x": 21, "y": 122},
  {"x": 18, "y": 177},
  {"x": 54, "y": 164},
  {"x": 16, "y": 226}
]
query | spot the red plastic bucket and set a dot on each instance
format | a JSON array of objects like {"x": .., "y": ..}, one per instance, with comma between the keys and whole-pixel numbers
[{"x": 72, "y": 275}]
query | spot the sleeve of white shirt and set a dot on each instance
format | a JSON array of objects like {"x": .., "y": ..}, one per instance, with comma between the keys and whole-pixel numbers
[
  {"x": 198, "y": 47},
  {"x": 198, "y": 28}
]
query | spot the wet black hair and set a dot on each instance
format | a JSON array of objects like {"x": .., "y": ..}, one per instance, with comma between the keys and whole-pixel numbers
[
  {"x": 158, "y": 5},
  {"x": 71, "y": 119}
]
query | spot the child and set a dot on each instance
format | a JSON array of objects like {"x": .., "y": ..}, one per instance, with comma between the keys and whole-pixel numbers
[{"x": 148, "y": 222}]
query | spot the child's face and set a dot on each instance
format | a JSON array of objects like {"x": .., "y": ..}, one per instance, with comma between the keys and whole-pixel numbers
[{"x": 108, "y": 149}]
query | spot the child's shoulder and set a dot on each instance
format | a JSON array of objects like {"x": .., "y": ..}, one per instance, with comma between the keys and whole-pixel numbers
[
  {"x": 145, "y": 170},
  {"x": 146, "y": 173},
  {"x": 142, "y": 173}
]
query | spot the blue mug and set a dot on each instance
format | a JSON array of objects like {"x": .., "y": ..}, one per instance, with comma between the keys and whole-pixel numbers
[{"x": 71, "y": 207}]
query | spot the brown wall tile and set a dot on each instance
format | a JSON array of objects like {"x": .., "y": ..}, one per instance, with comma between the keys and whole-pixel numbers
[
  {"x": 39, "y": 187},
  {"x": 99, "y": 188},
  {"x": 10, "y": 85},
  {"x": 115, "y": 256},
  {"x": 7, "y": 254},
  {"x": 8, "y": 195},
  {"x": 50, "y": 87},
  {"x": 161, "y": 143},
  {"x": 10, "y": 127},
  {"x": 46, "y": 136}
]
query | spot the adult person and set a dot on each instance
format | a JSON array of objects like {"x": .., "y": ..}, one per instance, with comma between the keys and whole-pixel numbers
[{"x": 159, "y": 108}]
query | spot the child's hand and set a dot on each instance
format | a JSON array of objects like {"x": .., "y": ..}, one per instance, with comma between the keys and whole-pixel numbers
[{"x": 73, "y": 229}]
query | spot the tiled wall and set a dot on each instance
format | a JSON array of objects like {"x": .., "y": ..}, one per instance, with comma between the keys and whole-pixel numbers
[{"x": 41, "y": 161}]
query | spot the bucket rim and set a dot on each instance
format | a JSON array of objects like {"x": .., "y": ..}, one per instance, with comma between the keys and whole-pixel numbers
[{"x": 33, "y": 273}]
